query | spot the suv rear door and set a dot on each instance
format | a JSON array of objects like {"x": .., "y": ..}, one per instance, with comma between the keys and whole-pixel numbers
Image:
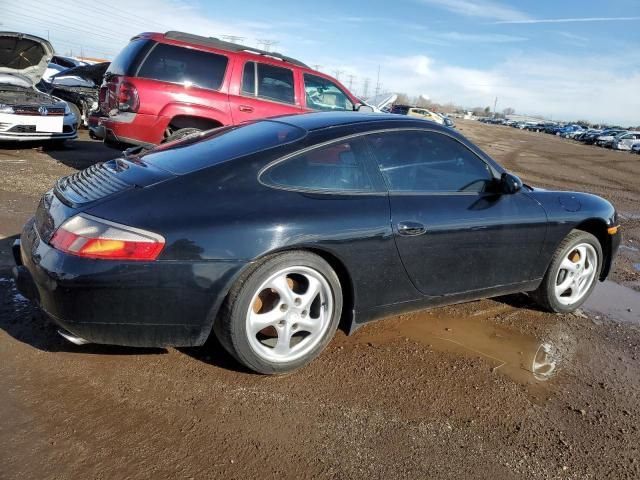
[{"x": 263, "y": 90}]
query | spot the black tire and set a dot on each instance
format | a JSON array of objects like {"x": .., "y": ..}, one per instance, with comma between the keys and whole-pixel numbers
[
  {"x": 181, "y": 133},
  {"x": 545, "y": 295},
  {"x": 230, "y": 327}
]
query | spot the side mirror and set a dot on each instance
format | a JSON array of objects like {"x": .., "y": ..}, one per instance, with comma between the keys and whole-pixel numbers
[
  {"x": 365, "y": 108},
  {"x": 510, "y": 183}
]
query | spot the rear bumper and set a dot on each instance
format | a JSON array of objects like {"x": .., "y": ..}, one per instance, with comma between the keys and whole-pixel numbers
[
  {"x": 134, "y": 129},
  {"x": 156, "y": 304}
]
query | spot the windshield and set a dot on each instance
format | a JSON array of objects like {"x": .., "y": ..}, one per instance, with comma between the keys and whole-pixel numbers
[{"x": 198, "y": 151}]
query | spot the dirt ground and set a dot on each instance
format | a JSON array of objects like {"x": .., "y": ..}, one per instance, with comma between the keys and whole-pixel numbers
[{"x": 490, "y": 389}]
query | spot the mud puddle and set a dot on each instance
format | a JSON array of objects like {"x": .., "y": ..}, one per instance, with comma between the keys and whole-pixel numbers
[
  {"x": 616, "y": 302},
  {"x": 521, "y": 357}
]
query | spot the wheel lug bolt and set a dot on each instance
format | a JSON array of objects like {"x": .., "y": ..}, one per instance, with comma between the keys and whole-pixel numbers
[
  {"x": 281, "y": 323},
  {"x": 284, "y": 307},
  {"x": 304, "y": 313},
  {"x": 294, "y": 326},
  {"x": 297, "y": 301}
]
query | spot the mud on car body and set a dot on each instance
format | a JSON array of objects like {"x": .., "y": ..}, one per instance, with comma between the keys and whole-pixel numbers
[{"x": 26, "y": 113}]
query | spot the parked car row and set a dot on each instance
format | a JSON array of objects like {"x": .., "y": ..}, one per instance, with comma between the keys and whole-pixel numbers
[
  {"x": 162, "y": 86},
  {"x": 615, "y": 138}
]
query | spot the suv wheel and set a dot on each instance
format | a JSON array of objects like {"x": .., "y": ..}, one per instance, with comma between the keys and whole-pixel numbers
[{"x": 180, "y": 134}]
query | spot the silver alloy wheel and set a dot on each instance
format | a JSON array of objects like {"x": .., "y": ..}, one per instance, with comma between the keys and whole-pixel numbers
[
  {"x": 576, "y": 274},
  {"x": 289, "y": 314}
]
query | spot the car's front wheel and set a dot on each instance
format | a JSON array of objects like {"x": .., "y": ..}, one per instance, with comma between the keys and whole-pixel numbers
[
  {"x": 572, "y": 274},
  {"x": 282, "y": 313}
]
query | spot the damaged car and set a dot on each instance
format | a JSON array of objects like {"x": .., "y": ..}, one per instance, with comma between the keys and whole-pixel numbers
[
  {"x": 79, "y": 87},
  {"x": 27, "y": 114}
]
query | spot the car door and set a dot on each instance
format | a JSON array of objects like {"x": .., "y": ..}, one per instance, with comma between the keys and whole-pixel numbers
[
  {"x": 265, "y": 91},
  {"x": 454, "y": 230}
]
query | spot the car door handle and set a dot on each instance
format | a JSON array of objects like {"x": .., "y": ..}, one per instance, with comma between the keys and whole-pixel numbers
[
  {"x": 245, "y": 108},
  {"x": 411, "y": 229}
]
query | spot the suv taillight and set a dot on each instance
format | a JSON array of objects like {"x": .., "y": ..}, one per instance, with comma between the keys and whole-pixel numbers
[
  {"x": 90, "y": 237},
  {"x": 102, "y": 96},
  {"x": 128, "y": 100}
]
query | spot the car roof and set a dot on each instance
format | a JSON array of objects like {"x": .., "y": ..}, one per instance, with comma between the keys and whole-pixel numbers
[{"x": 320, "y": 120}]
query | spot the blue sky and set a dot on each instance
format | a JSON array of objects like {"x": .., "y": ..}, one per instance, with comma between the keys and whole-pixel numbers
[{"x": 564, "y": 59}]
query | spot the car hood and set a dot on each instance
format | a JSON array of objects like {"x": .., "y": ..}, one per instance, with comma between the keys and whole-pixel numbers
[
  {"x": 23, "y": 56},
  {"x": 77, "y": 76}
]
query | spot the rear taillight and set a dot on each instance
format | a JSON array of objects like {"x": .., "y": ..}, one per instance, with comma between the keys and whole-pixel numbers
[
  {"x": 102, "y": 95},
  {"x": 128, "y": 100},
  {"x": 91, "y": 237}
]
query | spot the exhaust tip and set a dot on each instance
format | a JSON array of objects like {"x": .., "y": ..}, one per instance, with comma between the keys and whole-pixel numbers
[{"x": 72, "y": 338}]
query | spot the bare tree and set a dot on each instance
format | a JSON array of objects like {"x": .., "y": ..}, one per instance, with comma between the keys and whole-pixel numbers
[
  {"x": 403, "y": 99},
  {"x": 508, "y": 111}
]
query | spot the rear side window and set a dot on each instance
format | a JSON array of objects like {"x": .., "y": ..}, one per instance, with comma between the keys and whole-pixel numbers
[
  {"x": 220, "y": 145},
  {"x": 169, "y": 63},
  {"x": 127, "y": 60},
  {"x": 338, "y": 167},
  {"x": 268, "y": 82},
  {"x": 418, "y": 161}
]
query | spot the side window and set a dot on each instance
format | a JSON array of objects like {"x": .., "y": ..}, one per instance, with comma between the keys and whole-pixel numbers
[
  {"x": 322, "y": 94},
  {"x": 268, "y": 82},
  {"x": 169, "y": 63},
  {"x": 418, "y": 161},
  {"x": 340, "y": 166}
]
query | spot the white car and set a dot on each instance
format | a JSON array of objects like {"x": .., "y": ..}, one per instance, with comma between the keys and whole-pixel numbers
[
  {"x": 626, "y": 141},
  {"x": 27, "y": 114}
]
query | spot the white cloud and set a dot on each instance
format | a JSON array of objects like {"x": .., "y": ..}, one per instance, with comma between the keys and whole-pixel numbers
[
  {"x": 480, "y": 37},
  {"x": 559, "y": 86},
  {"x": 568, "y": 20},
  {"x": 480, "y": 8}
]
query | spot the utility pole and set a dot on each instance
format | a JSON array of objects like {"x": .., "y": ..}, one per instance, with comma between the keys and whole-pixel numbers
[
  {"x": 365, "y": 88},
  {"x": 317, "y": 67},
  {"x": 267, "y": 44},
  {"x": 351, "y": 77},
  {"x": 337, "y": 73},
  {"x": 495, "y": 102},
  {"x": 378, "y": 82}
]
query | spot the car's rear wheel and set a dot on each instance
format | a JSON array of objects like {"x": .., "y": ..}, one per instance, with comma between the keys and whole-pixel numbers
[
  {"x": 282, "y": 313},
  {"x": 572, "y": 274}
]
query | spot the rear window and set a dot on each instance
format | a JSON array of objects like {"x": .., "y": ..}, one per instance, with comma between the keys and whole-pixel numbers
[
  {"x": 129, "y": 57},
  {"x": 169, "y": 63},
  {"x": 221, "y": 144}
]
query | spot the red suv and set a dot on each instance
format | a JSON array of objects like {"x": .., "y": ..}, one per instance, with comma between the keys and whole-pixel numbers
[{"x": 168, "y": 85}]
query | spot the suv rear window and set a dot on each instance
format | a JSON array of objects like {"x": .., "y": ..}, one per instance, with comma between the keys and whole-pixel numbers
[
  {"x": 127, "y": 60},
  {"x": 220, "y": 145},
  {"x": 169, "y": 63}
]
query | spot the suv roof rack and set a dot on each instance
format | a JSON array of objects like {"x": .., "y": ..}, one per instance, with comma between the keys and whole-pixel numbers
[{"x": 229, "y": 46}]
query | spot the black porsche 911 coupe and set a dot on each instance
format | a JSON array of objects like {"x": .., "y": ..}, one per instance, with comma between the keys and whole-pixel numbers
[{"x": 269, "y": 233}]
